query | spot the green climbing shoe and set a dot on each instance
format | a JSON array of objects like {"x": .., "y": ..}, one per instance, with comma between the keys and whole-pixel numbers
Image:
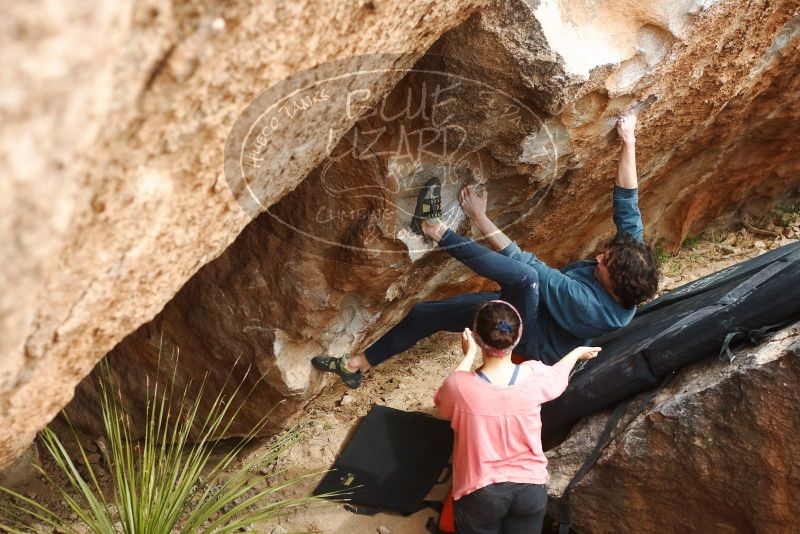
[
  {"x": 331, "y": 364},
  {"x": 429, "y": 204}
]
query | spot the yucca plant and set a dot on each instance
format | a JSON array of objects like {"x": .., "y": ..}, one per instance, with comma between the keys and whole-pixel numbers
[{"x": 165, "y": 482}]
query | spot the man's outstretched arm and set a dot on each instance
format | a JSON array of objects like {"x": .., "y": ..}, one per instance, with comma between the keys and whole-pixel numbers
[
  {"x": 552, "y": 281},
  {"x": 626, "y": 202},
  {"x": 626, "y": 174},
  {"x": 473, "y": 202},
  {"x": 626, "y": 195}
]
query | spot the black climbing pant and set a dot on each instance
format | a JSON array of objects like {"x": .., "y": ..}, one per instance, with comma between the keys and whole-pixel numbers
[
  {"x": 519, "y": 285},
  {"x": 502, "y": 508}
]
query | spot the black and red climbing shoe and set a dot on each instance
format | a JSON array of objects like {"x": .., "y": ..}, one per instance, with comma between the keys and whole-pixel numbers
[
  {"x": 331, "y": 364},
  {"x": 429, "y": 204}
]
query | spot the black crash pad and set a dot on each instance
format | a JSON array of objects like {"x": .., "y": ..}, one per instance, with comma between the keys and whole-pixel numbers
[
  {"x": 392, "y": 461},
  {"x": 678, "y": 328}
]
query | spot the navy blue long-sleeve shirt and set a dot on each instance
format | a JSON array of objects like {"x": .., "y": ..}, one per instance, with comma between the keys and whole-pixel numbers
[{"x": 574, "y": 307}]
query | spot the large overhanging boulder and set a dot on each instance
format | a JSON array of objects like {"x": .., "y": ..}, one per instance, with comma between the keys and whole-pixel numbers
[
  {"x": 330, "y": 266},
  {"x": 715, "y": 451},
  {"x": 115, "y": 119}
]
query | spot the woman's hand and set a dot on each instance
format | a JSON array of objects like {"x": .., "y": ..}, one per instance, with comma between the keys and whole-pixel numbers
[
  {"x": 585, "y": 353},
  {"x": 470, "y": 349},
  {"x": 473, "y": 201},
  {"x": 468, "y": 345},
  {"x": 577, "y": 354}
]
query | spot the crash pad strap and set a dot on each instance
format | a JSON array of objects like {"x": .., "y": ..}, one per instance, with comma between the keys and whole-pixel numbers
[{"x": 753, "y": 336}]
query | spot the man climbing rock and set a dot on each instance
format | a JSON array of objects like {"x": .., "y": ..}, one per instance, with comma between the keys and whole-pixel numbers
[{"x": 561, "y": 308}]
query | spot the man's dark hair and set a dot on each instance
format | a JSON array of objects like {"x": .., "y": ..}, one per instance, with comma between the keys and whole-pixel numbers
[
  {"x": 489, "y": 316},
  {"x": 633, "y": 268}
]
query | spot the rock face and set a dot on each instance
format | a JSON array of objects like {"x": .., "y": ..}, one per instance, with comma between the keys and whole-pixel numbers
[
  {"x": 519, "y": 95},
  {"x": 117, "y": 114},
  {"x": 715, "y": 451}
]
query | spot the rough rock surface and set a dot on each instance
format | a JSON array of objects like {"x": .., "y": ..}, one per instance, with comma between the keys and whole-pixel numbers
[
  {"x": 715, "y": 451},
  {"x": 115, "y": 118},
  {"x": 330, "y": 266}
]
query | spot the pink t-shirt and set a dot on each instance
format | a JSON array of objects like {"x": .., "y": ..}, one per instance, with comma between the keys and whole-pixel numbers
[{"x": 498, "y": 428}]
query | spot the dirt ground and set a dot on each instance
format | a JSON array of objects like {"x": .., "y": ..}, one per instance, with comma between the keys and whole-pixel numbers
[{"x": 408, "y": 382}]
